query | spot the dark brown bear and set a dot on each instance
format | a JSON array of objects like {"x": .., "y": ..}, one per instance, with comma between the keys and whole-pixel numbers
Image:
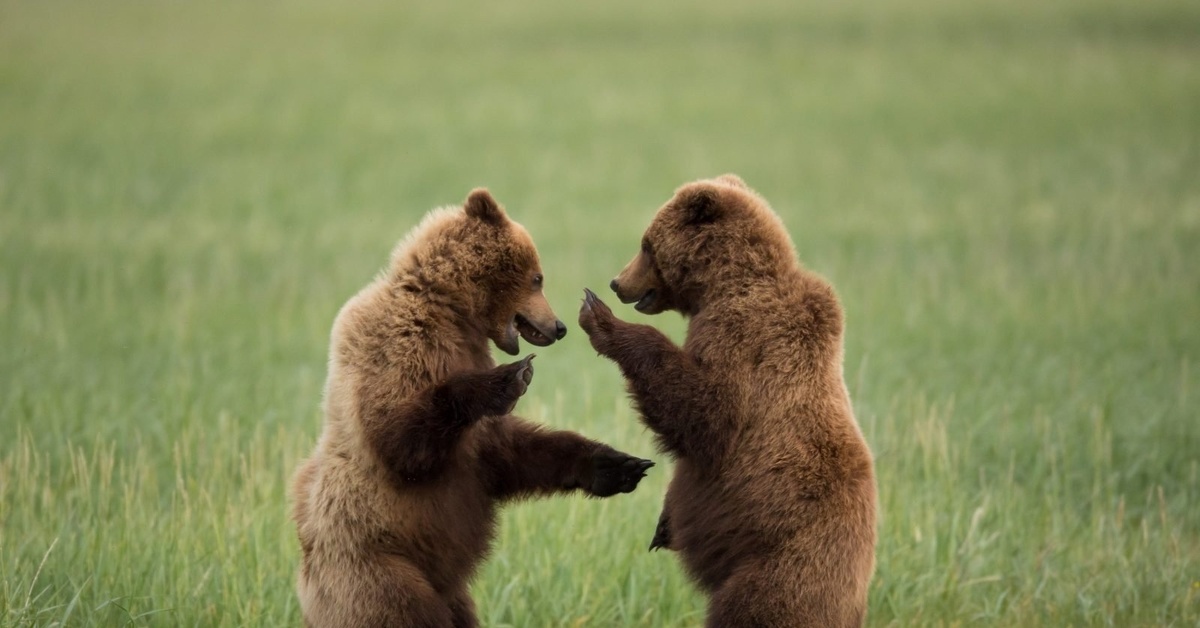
[
  {"x": 772, "y": 505},
  {"x": 396, "y": 508}
]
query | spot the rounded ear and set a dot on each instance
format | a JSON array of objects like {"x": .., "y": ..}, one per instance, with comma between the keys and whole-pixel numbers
[
  {"x": 734, "y": 180},
  {"x": 699, "y": 204},
  {"x": 480, "y": 204}
]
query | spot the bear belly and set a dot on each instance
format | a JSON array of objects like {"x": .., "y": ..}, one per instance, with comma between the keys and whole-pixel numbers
[{"x": 445, "y": 529}]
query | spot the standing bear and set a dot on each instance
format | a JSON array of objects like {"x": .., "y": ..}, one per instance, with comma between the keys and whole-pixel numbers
[
  {"x": 772, "y": 505},
  {"x": 396, "y": 508}
]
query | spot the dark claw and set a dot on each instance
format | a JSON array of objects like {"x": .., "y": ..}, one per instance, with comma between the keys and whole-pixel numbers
[
  {"x": 615, "y": 472},
  {"x": 514, "y": 381},
  {"x": 526, "y": 370},
  {"x": 662, "y": 534},
  {"x": 593, "y": 302}
]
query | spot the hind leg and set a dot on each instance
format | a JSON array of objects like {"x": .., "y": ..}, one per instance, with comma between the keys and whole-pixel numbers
[
  {"x": 761, "y": 595},
  {"x": 751, "y": 597},
  {"x": 379, "y": 592}
]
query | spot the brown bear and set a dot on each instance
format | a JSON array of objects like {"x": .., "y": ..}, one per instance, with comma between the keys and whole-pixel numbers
[
  {"x": 397, "y": 506},
  {"x": 772, "y": 504}
]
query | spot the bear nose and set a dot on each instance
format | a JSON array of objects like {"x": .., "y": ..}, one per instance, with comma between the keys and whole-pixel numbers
[
  {"x": 613, "y": 285},
  {"x": 560, "y": 329}
]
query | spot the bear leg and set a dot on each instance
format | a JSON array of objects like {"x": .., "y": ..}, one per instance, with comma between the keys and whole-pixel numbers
[
  {"x": 677, "y": 398},
  {"x": 522, "y": 459},
  {"x": 370, "y": 592},
  {"x": 414, "y": 438},
  {"x": 462, "y": 611},
  {"x": 662, "y": 533},
  {"x": 768, "y": 593}
]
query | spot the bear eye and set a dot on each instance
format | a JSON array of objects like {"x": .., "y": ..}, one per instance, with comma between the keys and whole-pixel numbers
[
  {"x": 646, "y": 247},
  {"x": 537, "y": 280}
]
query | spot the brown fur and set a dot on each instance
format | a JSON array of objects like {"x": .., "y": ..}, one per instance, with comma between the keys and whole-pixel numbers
[
  {"x": 772, "y": 506},
  {"x": 396, "y": 507}
]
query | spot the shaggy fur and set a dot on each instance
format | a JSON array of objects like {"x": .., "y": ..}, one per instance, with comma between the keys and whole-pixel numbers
[
  {"x": 396, "y": 508},
  {"x": 772, "y": 506}
]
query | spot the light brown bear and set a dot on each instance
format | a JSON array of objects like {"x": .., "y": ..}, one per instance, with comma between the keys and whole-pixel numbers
[
  {"x": 396, "y": 508},
  {"x": 772, "y": 505}
]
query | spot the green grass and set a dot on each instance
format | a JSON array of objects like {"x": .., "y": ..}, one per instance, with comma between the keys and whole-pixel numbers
[{"x": 1006, "y": 195}]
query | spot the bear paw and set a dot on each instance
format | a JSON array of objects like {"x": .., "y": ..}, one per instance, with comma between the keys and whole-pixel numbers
[
  {"x": 615, "y": 472},
  {"x": 597, "y": 320},
  {"x": 662, "y": 534},
  {"x": 513, "y": 381}
]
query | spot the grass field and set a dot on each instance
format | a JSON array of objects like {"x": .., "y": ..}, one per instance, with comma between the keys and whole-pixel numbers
[{"x": 1006, "y": 195}]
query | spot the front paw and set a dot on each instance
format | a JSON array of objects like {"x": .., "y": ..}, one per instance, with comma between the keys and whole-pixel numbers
[
  {"x": 662, "y": 534},
  {"x": 615, "y": 472},
  {"x": 597, "y": 321},
  {"x": 511, "y": 382}
]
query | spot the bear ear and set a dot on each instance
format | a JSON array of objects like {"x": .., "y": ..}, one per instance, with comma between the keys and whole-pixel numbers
[
  {"x": 700, "y": 205},
  {"x": 734, "y": 180},
  {"x": 480, "y": 204}
]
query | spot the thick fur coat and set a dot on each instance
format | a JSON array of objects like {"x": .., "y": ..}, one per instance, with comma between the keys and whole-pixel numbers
[
  {"x": 396, "y": 507},
  {"x": 772, "y": 505}
]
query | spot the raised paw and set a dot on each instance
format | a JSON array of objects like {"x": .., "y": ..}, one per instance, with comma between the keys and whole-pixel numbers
[
  {"x": 615, "y": 472},
  {"x": 596, "y": 319},
  {"x": 514, "y": 380}
]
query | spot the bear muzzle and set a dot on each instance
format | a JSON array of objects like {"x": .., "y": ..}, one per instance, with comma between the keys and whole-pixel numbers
[
  {"x": 539, "y": 333},
  {"x": 643, "y": 301},
  {"x": 639, "y": 283}
]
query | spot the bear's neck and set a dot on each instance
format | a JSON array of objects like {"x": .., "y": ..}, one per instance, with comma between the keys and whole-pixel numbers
[
  {"x": 467, "y": 321},
  {"x": 460, "y": 320},
  {"x": 741, "y": 293}
]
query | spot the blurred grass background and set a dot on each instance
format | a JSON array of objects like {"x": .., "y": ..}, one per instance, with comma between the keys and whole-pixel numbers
[{"x": 1006, "y": 195}]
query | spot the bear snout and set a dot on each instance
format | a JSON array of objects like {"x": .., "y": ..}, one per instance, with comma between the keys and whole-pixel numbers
[{"x": 625, "y": 293}]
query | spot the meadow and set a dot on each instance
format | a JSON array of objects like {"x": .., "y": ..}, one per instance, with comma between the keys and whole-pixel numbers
[{"x": 1005, "y": 194}]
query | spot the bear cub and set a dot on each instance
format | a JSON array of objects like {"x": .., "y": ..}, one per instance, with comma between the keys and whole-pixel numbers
[
  {"x": 772, "y": 503},
  {"x": 396, "y": 507}
]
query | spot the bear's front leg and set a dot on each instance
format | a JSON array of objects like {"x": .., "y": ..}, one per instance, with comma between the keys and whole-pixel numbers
[
  {"x": 662, "y": 532},
  {"x": 466, "y": 398},
  {"x": 522, "y": 459},
  {"x": 462, "y": 609},
  {"x": 414, "y": 437},
  {"x": 677, "y": 399}
]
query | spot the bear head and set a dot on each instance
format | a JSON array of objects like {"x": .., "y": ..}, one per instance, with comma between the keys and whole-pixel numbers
[
  {"x": 485, "y": 266},
  {"x": 712, "y": 237},
  {"x": 509, "y": 269}
]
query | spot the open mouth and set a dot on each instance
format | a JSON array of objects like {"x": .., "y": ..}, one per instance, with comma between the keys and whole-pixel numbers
[
  {"x": 647, "y": 300},
  {"x": 531, "y": 333}
]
